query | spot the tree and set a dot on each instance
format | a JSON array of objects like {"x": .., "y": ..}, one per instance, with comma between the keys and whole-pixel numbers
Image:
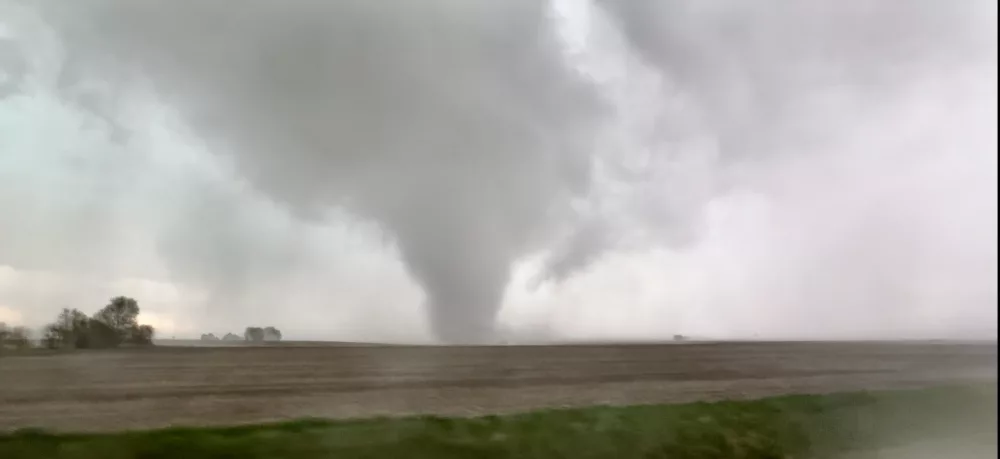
[
  {"x": 118, "y": 324},
  {"x": 142, "y": 335},
  {"x": 99, "y": 335},
  {"x": 71, "y": 329},
  {"x": 52, "y": 337},
  {"x": 71, "y": 319},
  {"x": 112, "y": 326},
  {"x": 120, "y": 314},
  {"x": 14, "y": 337},
  {"x": 209, "y": 337},
  {"x": 272, "y": 334},
  {"x": 232, "y": 337},
  {"x": 254, "y": 334}
]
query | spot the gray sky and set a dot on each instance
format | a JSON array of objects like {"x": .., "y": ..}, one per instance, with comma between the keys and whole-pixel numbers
[{"x": 530, "y": 170}]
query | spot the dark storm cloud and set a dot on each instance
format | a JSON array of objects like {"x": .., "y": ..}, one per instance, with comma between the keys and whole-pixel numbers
[
  {"x": 764, "y": 83},
  {"x": 462, "y": 129},
  {"x": 453, "y": 124},
  {"x": 12, "y": 67},
  {"x": 756, "y": 69}
]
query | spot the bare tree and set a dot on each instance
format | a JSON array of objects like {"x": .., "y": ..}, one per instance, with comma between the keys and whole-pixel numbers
[{"x": 70, "y": 330}]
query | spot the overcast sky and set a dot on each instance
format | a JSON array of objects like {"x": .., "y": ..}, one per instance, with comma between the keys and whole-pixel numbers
[{"x": 524, "y": 170}]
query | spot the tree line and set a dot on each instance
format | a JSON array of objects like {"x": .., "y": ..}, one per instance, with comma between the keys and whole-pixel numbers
[
  {"x": 251, "y": 334},
  {"x": 114, "y": 325},
  {"x": 14, "y": 337}
]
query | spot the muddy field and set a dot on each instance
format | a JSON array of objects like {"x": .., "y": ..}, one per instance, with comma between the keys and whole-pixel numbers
[{"x": 130, "y": 389}]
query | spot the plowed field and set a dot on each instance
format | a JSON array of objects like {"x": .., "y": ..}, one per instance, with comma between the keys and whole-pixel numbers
[{"x": 144, "y": 388}]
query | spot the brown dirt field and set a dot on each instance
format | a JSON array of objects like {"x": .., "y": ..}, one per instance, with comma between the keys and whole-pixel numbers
[{"x": 145, "y": 388}]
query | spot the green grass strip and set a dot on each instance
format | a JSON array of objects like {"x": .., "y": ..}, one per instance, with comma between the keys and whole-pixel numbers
[{"x": 798, "y": 426}]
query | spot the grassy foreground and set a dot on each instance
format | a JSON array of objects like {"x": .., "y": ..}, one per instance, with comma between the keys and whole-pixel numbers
[{"x": 802, "y": 426}]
